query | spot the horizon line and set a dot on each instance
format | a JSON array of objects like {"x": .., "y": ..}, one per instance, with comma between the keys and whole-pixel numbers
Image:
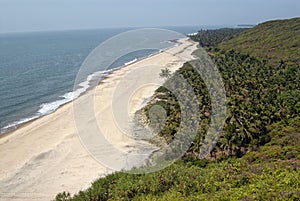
[{"x": 120, "y": 27}]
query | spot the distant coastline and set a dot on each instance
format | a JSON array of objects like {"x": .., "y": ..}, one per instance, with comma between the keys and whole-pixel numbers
[{"x": 246, "y": 25}]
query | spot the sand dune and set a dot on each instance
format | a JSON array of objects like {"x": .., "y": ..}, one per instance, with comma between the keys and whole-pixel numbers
[{"x": 46, "y": 156}]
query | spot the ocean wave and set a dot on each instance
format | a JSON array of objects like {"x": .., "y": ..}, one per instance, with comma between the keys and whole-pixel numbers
[
  {"x": 48, "y": 108},
  {"x": 131, "y": 62}
]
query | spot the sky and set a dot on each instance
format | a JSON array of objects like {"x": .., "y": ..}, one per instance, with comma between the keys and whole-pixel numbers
[{"x": 45, "y": 15}]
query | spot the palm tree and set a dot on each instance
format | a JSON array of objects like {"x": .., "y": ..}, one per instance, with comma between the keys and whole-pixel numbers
[{"x": 165, "y": 73}]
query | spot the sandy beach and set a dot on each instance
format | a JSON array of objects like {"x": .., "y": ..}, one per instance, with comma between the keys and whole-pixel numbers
[{"x": 46, "y": 156}]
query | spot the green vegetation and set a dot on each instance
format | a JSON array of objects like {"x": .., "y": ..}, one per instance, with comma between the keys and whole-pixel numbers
[
  {"x": 258, "y": 154},
  {"x": 258, "y": 95},
  {"x": 276, "y": 41},
  {"x": 208, "y": 38},
  {"x": 165, "y": 73}
]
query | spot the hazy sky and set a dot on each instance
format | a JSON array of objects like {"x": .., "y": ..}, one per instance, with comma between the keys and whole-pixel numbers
[{"x": 37, "y": 15}]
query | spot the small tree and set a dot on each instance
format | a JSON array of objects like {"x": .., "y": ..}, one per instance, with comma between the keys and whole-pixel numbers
[{"x": 165, "y": 73}]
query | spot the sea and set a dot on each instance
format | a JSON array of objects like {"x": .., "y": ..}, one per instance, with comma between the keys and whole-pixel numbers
[{"x": 38, "y": 69}]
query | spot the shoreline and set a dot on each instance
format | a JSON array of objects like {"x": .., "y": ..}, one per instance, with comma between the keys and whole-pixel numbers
[
  {"x": 46, "y": 156},
  {"x": 11, "y": 129}
]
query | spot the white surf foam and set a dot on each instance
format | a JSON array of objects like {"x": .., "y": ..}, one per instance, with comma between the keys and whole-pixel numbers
[
  {"x": 50, "y": 107},
  {"x": 131, "y": 62}
]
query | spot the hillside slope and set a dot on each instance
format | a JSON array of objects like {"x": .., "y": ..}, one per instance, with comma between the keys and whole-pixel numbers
[
  {"x": 258, "y": 154},
  {"x": 274, "y": 40}
]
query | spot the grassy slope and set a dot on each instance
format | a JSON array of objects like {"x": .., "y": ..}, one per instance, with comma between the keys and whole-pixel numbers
[
  {"x": 269, "y": 173},
  {"x": 273, "y": 40}
]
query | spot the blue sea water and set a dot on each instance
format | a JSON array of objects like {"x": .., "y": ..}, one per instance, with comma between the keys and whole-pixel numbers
[{"x": 37, "y": 70}]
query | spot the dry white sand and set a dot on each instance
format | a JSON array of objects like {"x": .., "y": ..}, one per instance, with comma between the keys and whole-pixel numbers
[{"x": 46, "y": 156}]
